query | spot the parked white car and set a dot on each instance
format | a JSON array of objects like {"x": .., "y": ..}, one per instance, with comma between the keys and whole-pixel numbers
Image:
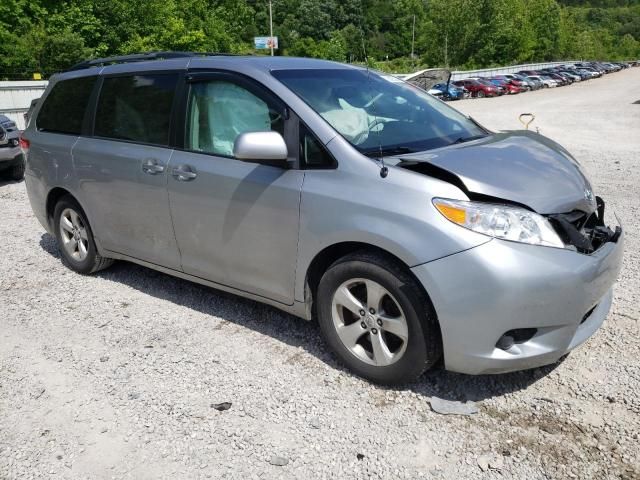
[{"x": 546, "y": 81}]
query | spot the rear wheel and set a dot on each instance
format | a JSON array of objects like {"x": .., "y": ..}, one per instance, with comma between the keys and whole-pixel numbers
[
  {"x": 377, "y": 320},
  {"x": 480, "y": 94},
  {"x": 75, "y": 238}
]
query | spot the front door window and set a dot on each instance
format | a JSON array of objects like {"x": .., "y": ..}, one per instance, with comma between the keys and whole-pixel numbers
[{"x": 219, "y": 111}]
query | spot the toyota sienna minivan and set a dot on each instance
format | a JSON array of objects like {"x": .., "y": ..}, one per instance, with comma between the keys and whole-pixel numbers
[{"x": 333, "y": 192}]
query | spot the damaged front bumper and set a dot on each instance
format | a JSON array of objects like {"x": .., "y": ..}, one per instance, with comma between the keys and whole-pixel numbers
[
  {"x": 505, "y": 306},
  {"x": 583, "y": 232}
]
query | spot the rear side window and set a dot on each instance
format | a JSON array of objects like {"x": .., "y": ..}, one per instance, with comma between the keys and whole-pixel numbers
[
  {"x": 64, "y": 108},
  {"x": 136, "y": 108}
]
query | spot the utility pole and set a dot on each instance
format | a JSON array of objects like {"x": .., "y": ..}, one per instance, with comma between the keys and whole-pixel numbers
[
  {"x": 413, "y": 40},
  {"x": 446, "y": 50},
  {"x": 271, "y": 26}
]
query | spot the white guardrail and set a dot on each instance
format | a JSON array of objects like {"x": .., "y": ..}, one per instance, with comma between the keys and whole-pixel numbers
[{"x": 15, "y": 98}]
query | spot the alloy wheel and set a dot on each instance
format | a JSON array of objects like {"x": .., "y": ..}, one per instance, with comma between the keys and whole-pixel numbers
[
  {"x": 73, "y": 231},
  {"x": 369, "y": 322}
]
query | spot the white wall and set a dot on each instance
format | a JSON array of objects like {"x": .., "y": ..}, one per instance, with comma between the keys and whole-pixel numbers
[{"x": 15, "y": 98}]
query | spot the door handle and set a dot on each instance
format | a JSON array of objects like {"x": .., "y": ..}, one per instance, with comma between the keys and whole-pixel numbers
[
  {"x": 184, "y": 173},
  {"x": 151, "y": 166}
]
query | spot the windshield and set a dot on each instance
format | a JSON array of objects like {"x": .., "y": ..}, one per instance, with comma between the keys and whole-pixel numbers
[{"x": 377, "y": 112}]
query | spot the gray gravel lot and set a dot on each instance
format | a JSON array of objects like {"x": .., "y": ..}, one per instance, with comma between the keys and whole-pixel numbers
[{"x": 116, "y": 375}]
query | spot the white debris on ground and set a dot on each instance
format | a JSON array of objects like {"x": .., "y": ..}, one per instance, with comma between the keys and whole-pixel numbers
[{"x": 132, "y": 374}]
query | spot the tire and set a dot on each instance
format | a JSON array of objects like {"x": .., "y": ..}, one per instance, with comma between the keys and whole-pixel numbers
[
  {"x": 480, "y": 94},
  {"x": 72, "y": 228},
  {"x": 16, "y": 172},
  {"x": 372, "y": 345}
]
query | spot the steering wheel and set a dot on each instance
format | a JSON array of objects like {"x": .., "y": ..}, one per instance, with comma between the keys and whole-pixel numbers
[
  {"x": 376, "y": 121},
  {"x": 275, "y": 119}
]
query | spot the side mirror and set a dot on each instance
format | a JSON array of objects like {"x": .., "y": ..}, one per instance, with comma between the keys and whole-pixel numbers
[{"x": 266, "y": 148}]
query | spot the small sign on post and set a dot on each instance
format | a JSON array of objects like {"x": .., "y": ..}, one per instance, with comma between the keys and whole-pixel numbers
[
  {"x": 265, "y": 43},
  {"x": 37, "y": 76}
]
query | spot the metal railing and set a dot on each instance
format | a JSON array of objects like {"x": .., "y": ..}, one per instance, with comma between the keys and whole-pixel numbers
[{"x": 489, "y": 72}]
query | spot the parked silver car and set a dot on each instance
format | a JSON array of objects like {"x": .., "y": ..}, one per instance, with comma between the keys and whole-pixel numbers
[
  {"x": 11, "y": 160},
  {"x": 332, "y": 192}
]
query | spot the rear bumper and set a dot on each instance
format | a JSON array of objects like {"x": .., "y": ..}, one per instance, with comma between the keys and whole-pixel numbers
[
  {"x": 482, "y": 293},
  {"x": 37, "y": 193}
]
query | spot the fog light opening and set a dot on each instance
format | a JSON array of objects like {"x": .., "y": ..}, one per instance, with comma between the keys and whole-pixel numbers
[
  {"x": 587, "y": 315},
  {"x": 515, "y": 337}
]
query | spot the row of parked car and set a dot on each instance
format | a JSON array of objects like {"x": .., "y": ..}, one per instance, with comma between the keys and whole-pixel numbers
[{"x": 526, "y": 80}]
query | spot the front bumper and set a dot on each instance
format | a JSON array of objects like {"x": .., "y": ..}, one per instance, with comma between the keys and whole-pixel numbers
[{"x": 484, "y": 292}]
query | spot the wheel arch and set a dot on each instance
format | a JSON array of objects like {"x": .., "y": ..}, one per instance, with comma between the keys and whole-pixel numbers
[
  {"x": 328, "y": 255},
  {"x": 54, "y": 195}
]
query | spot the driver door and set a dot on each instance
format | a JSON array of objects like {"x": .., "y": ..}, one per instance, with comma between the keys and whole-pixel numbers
[{"x": 236, "y": 223}]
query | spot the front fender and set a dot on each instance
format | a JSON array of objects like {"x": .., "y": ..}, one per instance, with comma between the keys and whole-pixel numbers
[{"x": 394, "y": 214}]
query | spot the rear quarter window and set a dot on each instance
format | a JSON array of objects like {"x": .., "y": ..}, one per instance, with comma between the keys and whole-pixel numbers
[{"x": 64, "y": 108}]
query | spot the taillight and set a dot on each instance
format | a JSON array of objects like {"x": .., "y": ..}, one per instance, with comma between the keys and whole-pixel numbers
[{"x": 24, "y": 144}]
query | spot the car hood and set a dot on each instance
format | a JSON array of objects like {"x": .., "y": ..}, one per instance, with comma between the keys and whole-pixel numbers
[
  {"x": 516, "y": 166},
  {"x": 426, "y": 79}
]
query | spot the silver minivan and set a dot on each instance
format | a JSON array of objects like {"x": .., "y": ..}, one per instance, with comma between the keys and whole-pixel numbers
[{"x": 333, "y": 192}]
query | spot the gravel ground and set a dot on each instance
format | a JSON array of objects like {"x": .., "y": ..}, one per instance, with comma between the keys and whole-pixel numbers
[{"x": 118, "y": 375}]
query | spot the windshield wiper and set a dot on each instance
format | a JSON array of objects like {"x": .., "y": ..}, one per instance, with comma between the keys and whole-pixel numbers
[
  {"x": 376, "y": 152},
  {"x": 467, "y": 139}
]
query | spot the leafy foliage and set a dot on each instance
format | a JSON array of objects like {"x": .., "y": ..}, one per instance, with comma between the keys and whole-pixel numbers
[{"x": 49, "y": 35}]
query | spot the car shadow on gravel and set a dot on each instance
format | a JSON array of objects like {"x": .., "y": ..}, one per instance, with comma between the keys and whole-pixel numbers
[
  {"x": 4, "y": 182},
  {"x": 298, "y": 333}
]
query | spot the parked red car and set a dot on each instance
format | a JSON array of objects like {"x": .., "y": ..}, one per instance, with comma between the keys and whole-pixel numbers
[
  {"x": 509, "y": 87},
  {"x": 478, "y": 89},
  {"x": 514, "y": 81}
]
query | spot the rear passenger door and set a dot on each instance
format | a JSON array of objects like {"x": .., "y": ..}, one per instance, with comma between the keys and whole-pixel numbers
[
  {"x": 236, "y": 222},
  {"x": 122, "y": 168}
]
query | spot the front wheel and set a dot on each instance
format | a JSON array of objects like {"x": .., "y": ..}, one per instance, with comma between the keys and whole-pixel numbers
[
  {"x": 377, "y": 320},
  {"x": 480, "y": 94}
]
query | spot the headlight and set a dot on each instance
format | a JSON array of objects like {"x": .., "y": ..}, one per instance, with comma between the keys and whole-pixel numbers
[{"x": 500, "y": 221}]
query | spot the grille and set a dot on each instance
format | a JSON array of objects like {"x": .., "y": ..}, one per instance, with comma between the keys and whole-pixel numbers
[{"x": 582, "y": 231}]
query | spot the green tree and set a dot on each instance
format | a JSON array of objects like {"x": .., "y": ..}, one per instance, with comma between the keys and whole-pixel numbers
[
  {"x": 543, "y": 16},
  {"x": 49, "y": 35}
]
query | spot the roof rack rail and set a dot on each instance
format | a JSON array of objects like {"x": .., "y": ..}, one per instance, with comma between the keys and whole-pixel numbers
[{"x": 142, "y": 57}]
